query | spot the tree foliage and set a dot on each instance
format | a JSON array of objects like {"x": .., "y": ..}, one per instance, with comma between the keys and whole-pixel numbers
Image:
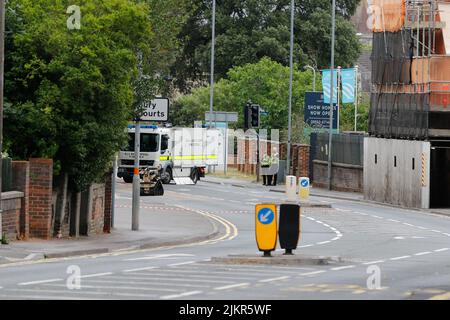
[
  {"x": 248, "y": 30},
  {"x": 69, "y": 91},
  {"x": 265, "y": 83}
]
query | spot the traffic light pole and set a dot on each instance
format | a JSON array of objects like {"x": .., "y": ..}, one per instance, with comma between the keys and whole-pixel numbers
[{"x": 257, "y": 158}]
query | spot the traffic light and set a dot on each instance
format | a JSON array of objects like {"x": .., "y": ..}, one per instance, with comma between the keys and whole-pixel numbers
[
  {"x": 247, "y": 116},
  {"x": 255, "y": 116},
  {"x": 251, "y": 116}
]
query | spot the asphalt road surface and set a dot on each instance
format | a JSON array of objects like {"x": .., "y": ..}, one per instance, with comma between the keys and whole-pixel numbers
[{"x": 408, "y": 250}]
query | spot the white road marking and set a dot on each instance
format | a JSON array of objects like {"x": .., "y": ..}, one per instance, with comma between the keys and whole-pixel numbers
[
  {"x": 96, "y": 275},
  {"x": 38, "y": 282},
  {"x": 377, "y": 217},
  {"x": 373, "y": 262},
  {"x": 274, "y": 279},
  {"x": 114, "y": 287},
  {"x": 324, "y": 242},
  {"x": 436, "y": 231},
  {"x": 422, "y": 253},
  {"x": 393, "y": 220},
  {"x": 159, "y": 256},
  {"x": 442, "y": 250},
  {"x": 306, "y": 246},
  {"x": 232, "y": 286},
  {"x": 408, "y": 224},
  {"x": 140, "y": 269},
  {"x": 447, "y": 234},
  {"x": 399, "y": 258},
  {"x": 422, "y": 228},
  {"x": 335, "y": 238},
  {"x": 171, "y": 279},
  {"x": 312, "y": 273},
  {"x": 181, "y": 295},
  {"x": 181, "y": 263},
  {"x": 342, "y": 268}
]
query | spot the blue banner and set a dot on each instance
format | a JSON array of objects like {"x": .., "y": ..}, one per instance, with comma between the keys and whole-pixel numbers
[
  {"x": 348, "y": 78},
  {"x": 326, "y": 81}
]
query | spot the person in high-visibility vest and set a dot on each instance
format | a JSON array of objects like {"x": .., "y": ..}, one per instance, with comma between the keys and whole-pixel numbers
[
  {"x": 275, "y": 162},
  {"x": 265, "y": 165}
]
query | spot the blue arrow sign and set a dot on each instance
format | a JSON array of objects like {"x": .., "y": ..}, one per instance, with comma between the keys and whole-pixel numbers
[
  {"x": 266, "y": 216},
  {"x": 304, "y": 183}
]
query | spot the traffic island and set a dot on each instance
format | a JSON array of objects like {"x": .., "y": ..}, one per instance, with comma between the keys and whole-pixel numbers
[{"x": 277, "y": 259}]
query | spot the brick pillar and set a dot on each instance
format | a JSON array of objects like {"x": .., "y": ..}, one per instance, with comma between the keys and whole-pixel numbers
[
  {"x": 21, "y": 182},
  {"x": 108, "y": 204},
  {"x": 40, "y": 200},
  {"x": 303, "y": 156}
]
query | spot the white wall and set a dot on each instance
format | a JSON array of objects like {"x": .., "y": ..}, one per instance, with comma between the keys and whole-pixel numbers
[{"x": 399, "y": 185}]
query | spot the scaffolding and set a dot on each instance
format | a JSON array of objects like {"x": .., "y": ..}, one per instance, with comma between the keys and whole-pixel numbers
[{"x": 411, "y": 69}]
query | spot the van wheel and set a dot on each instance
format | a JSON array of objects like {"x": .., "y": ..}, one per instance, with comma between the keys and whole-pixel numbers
[{"x": 167, "y": 176}]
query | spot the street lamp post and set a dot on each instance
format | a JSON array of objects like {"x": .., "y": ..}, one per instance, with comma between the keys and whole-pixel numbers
[
  {"x": 2, "y": 59},
  {"x": 213, "y": 45},
  {"x": 314, "y": 72},
  {"x": 291, "y": 64},
  {"x": 330, "y": 140}
]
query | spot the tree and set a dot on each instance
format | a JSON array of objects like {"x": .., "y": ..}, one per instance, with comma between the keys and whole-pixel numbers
[
  {"x": 248, "y": 30},
  {"x": 70, "y": 91},
  {"x": 265, "y": 83}
]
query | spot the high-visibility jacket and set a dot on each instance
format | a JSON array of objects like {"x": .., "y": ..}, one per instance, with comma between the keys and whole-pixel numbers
[
  {"x": 266, "y": 161},
  {"x": 274, "y": 159}
]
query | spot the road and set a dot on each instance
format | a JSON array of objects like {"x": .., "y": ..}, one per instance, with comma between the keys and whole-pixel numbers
[{"x": 409, "y": 249}]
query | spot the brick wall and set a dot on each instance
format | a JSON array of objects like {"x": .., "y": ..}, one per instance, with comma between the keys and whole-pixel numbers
[
  {"x": 97, "y": 218},
  {"x": 11, "y": 206},
  {"x": 40, "y": 198},
  {"x": 108, "y": 204},
  {"x": 348, "y": 178},
  {"x": 20, "y": 182}
]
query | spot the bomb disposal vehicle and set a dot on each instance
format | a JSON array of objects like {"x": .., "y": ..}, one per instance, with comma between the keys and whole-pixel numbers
[{"x": 171, "y": 154}]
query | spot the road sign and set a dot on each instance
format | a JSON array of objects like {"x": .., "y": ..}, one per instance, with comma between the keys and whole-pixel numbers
[
  {"x": 156, "y": 110},
  {"x": 317, "y": 112},
  {"x": 266, "y": 227},
  {"x": 221, "y": 116},
  {"x": 304, "y": 190}
]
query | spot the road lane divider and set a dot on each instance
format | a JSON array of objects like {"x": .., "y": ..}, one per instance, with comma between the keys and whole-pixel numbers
[
  {"x": 233, "y": 286},
  {"x": 30, "y": 283},
  {"x": 181, "y": 295}
]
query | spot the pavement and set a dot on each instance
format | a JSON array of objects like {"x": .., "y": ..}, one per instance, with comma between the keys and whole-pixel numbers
[{"x": 160, "y": 225}]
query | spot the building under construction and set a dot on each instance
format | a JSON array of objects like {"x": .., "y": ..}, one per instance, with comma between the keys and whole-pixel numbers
[{"x": 407, "y": 156}]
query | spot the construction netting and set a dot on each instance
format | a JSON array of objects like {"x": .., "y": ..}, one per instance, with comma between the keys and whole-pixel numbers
[
  {"x": 399, "y": 115},
  {"x": 392, "y": 56}
]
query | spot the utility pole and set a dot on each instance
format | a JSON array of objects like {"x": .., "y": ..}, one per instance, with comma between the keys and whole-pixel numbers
[
  {"x": 291, "y": 64},
  {"x": 213, "y": 46},
  {"x": 333, "y": 27},
  {"x": 136, "y": 177},
  {"x": 113, "y": 191},
  {"x": 2, "y": 60},
  {"x": 356, "y": 97}
]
